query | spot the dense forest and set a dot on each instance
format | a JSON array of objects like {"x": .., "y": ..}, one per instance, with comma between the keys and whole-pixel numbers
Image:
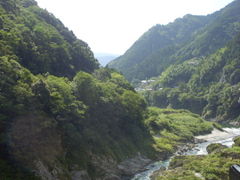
[
  {"x": 208, "y": 86},
  {"x": 55, "y": 117}
]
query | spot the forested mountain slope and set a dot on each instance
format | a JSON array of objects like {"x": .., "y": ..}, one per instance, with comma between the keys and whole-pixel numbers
[
  {"x": 185, "y": 38},
  {"x": 57, "y": 121},
  {"x": 40, "y": 42},
  {"x": 208, "y": 86}
]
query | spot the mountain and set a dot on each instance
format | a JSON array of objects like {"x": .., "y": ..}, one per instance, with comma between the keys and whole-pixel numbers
[
  {"x": 40, "y": 42},
  {"x": 185, "y": 38},
  {"x": 105, "y": 58},
  {"x": 63, "y": 117}
]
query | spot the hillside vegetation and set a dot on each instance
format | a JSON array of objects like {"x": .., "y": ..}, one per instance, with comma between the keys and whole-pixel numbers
[
  {"x": 207, "y": 86},
  {"x": 55, "y": 118},
  {"x": 40, "y": 42},
  {"x": 57, "y": 122}
]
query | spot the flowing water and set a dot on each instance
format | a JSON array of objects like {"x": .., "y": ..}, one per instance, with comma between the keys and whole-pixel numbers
[{"x": 225, "y": 138}]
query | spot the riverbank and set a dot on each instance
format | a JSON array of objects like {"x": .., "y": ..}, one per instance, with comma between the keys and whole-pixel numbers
[
  {"x": 171, "y": 129},
  {"x": 216, "y": 136},
  {"x": 214, "y": 165}
]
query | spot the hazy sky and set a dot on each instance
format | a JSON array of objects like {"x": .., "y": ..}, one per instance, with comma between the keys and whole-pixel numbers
[{"x": 112, "y": 26}]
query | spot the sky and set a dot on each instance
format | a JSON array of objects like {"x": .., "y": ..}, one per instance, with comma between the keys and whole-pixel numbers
[{"x": 112, "y": 26}]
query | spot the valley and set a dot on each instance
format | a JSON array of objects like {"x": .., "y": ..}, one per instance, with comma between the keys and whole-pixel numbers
[{"x": 65, "y": 117}]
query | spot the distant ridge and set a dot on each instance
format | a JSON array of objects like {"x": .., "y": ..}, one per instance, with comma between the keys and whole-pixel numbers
[
  {"x": 185, "y": 38},
  {"x": 105, "y": 58}
]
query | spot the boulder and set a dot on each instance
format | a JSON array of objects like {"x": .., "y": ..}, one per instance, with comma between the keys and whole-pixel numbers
[{"x": 215, "y": 148}]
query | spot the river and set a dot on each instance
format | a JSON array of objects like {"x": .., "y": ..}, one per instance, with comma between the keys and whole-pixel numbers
[{"x": 225, "y": 138}]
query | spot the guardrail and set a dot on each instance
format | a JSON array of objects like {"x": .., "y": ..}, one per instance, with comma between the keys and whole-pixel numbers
[{"x": 234, "y": 172}]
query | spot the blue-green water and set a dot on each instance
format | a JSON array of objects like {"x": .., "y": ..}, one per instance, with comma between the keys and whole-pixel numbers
[{"x": 145, "y": 175}]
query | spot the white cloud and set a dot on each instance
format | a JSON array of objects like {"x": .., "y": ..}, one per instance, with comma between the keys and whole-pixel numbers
[{"x": 112, "y": 26}]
